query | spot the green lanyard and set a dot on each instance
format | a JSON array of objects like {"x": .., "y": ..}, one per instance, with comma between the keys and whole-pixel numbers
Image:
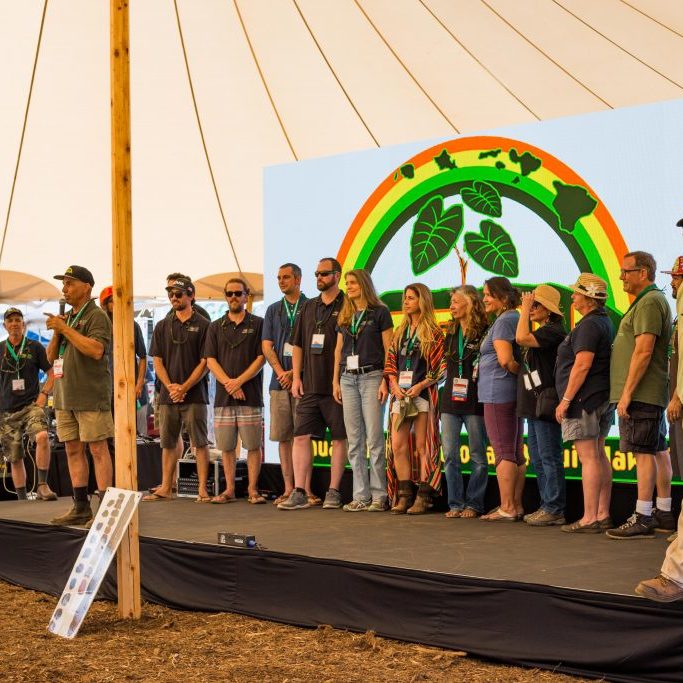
[
  {"x": 72, "y": 323},
  {"x": 409, "y": 347},
  {"x": 14, "y": 354},
  {"x": 354, "y": 328},
  {"x": 462, "y": 343},
  {"x": 291, "y": 312},
  {"x": 647, "y": 289}
]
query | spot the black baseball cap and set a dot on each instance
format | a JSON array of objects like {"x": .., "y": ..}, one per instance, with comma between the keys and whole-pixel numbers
[
  {"x": 12, "y": 311},
  {"x": 182, "y": 283},
  {"x": 77, "y": 273}
]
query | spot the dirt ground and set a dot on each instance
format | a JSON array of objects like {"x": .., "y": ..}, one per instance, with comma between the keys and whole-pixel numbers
[{"x": 193, "y": 647}]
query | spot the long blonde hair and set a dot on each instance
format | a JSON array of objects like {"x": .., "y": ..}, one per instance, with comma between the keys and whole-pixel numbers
[
  {"x": 368, "y": 293},
  {"x": 427, "y": 327},
  {"x": 476, "y": 320}
]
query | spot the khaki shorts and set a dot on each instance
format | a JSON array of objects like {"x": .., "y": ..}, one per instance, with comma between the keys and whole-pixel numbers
[
  {"x": 84, "y": 425},
  {"x": 594, "y": 425},
  {"x": 29, "y": 420},
  {"x": 172, "y": 417},
  {"x": 282, "y": 410},
  {"x": 246, "y": 421}
]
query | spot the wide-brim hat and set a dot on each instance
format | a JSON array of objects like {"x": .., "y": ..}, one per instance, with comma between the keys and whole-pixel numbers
[
  {"x": 592, "y": 286},
  {"x": 549, "y": 297},
  {"x": 676, "y": 269}
]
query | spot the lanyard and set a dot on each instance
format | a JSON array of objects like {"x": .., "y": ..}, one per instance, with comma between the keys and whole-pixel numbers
[
  {"x": 319, "y": 324},
  {"x": 241, "y": 337},
  {"x": 410, "y": 346},
  {"x": 13, "y": 353},
  {"x": 72, "y": 323},
  {"x": 354, "y": 328},
  {"x": 647, "y": 289},
  {"x": 462, "y": 343},
  {"x": 291, "y": 310}
]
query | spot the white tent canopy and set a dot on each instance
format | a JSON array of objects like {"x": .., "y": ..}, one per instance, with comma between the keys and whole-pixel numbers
[{"x": 276, "y": 81}]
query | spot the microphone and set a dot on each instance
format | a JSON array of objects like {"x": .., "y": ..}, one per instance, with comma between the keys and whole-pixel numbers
[{"x": 62, "y": 306}]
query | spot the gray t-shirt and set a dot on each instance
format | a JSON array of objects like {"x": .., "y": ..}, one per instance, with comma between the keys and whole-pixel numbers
[
  {"x": 496, "y": 384},
  {"x": 86, "y": 384}
]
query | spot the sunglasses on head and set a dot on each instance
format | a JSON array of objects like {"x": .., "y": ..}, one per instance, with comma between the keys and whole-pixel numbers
[
  {"x": 324, "y": 273},
  {"x": 175, "y": 294},
  {"x": 230, "y": 293}
]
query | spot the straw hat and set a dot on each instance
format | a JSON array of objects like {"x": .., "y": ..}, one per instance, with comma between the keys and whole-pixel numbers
[
  {"x": 592, "y": 286},
  {"x": 676, "y": 269},
  {"x": 549, "y": 297}
]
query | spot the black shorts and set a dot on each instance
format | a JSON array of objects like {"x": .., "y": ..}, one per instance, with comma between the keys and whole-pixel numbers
[
  {"x": 642, "y": 432},
  {"x": 314, "y": 412}
]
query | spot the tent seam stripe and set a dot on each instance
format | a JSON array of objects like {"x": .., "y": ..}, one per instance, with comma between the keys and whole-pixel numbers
[
  {"x": 656, "y": 21},
  {"x": 263, "y": 80},
  {"x": 23, "y": 129}
]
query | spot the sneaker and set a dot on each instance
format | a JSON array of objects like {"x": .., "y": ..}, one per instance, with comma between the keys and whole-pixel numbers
[
  {"x": 333, "y": 500},
  {"x": 606, "y": 523},
  {"x": 354, "y": 506},
  {"x": 532, "y": 515},
  {"x": 636, "y": 526},
  {"x": 660, "y": 589},
  {"x": 544, "y": 518},
  {"x": 578, "y": 528},
  {"x": 78, "y": 515},
  {"x": 673, "y": 537},
  {"x": 664, "y": 520},
  {"x": 378, "y": 506},
  {"x": 297, "y": 501}
]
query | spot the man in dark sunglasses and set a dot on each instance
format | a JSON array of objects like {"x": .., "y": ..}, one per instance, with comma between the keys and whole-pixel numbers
[
  {"x": 233, "y": 354},
  {"x": 313, "y": 343},
  {"x": 177, "y": 345}
]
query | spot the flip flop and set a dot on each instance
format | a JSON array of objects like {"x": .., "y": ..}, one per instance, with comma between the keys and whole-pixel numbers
[
  {"x": 257, "y": 500},
  {"x": 280, "y": 499},
  {"x": 452, "y": 514},
  {"x": 500, "y": 516},
  {"x": 469, "y": 513},
  {"x": 314, "y": 500},
  {"x": 222, "y": 499},
  {"x": 155, "y": 498},
  {"x": 203, "y": 499}
]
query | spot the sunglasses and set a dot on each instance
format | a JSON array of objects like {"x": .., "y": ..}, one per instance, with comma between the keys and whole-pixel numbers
[
  {"x": 237, "y": 293},
  {"x": 535, "y": 305},
  {"x": 324, "y": 273},
  {"x": 175, "y": 294}
]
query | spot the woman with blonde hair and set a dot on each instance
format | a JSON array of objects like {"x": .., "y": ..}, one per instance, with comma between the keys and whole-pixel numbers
[
  {"x": 364, "y": 330},
  {"x": 415, "y": 364},
  {"x": 460, "y": 405}
]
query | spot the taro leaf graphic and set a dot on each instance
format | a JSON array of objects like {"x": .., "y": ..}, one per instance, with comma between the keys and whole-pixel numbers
[
  {"x": 493, "y": 249},
  {"x": 482, "y": 198},
  {"x": 434, "y": 234}
]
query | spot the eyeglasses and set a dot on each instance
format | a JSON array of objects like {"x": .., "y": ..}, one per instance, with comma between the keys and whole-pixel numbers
[
  {"x": 175, "y": 294},
  {"x": 623, "y": 271},
  {"x": 324, "y": 273},
  {"x": 238, "y": 293}
]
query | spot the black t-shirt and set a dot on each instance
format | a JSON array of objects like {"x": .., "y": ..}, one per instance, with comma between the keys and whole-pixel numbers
[
  {"x": 368, "y": 338},
  {"x": 180, "y": 346},
  {"x": 541, "y": 360},
  {"x": 317, "y": 318},
  {"x": 236, "y": 347},
  {"x": 32, "y": 359},
  {"x": 140, "y": 352},
  {"x": 470, "y": 354},
  {"x": 593, "y": 333}
]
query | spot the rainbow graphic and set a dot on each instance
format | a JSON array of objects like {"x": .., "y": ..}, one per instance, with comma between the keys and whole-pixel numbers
[{"x": 520, "y": 172}]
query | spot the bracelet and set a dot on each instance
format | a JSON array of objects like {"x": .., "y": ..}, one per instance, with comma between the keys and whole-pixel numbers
[
  {"x": 568, "y": 400},
  {"x": 45, "y": 393}
]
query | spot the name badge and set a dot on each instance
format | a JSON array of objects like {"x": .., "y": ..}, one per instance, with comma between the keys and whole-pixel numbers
[
  {"x": 18, "y": 386},
  {"x": 352, "y": 362},
  {"x": 317, "y": 343},
  {"x": 287, "y": 351},
  {"x": 459, "y": 390},
  {"x": 58, "y": 368},
  {"x": 536, "y": 378},
  {"x": 405, "y": 379}
]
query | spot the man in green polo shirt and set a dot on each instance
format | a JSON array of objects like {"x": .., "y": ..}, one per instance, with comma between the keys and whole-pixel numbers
[
  {"x": 639, "y": 370},
  {"x": 79, "y": 351}
]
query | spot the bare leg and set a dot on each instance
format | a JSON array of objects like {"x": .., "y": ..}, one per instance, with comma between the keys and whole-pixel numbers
[
  {"x": 18, "y": 474},
  {"x": 507, "y": 475},
  {"x": 77, "y": 462},
  {"x": 42, "y": 451},
  {"x": 519, "y": 488},
  {"x": 254, "y": 468},
  {"x": 229, "y": 459},
  {"x": 592, "y": 475},
  {"x": 302, "y": 461},
  {"x": 202, "y": 456},
  {"x": 287, "y": 468},
  {"x": 338, "y": 463},
  {"x": 399, "y": 445},
  {"x": 605, "y": 497},
  {"x": 664, "y": 474},
  {"x": 104, "y": 472}
]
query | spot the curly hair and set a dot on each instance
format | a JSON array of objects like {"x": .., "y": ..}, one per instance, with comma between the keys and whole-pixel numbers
[{"x": 476, "y": 321}]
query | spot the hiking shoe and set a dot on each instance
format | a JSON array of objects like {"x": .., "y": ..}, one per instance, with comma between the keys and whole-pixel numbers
[
  {"x": 606, "y": 523},
  {"x": 78, "y": 515},
  {"x": 44, "y": 492},
  {"x": 333, "y": 500},
  {"x": 532, "y": 515},
  {"x": 673, "y": 537},
  {"x": 660, "y": 589},
  {"x": 355, "y": 506},
  {"x": 378, "y": 505},
  {"x": 297, "y": 501},
  {"x": 544, "y": 518},
  {"x": 664, "y": 520},
  {"x": 577, "y": 528},
  {"x": 636, "y": 526}
]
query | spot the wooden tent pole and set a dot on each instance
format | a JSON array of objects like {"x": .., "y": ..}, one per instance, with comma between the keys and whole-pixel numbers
[{"x": 128, "y": 556}]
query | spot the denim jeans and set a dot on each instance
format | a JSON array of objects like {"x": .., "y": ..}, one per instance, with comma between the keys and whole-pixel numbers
[
  {"x": 451, "y": 426},
  {"x": 545, "y": 451},
  {"x": 363, "y": 418}
]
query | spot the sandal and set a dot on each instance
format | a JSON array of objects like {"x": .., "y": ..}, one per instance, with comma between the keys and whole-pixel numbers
[
  {"x": 499, "y": 516},
  {"x": 203, "y": 499},
  {"x": 155, "y": 498},
  {"x": 258, "y": 499},
  {"x": 280, "y": 499},
  {"x": 222, "y": 499},
  {"x": 469, "y": 513},
  {"x": 313, "y": 500},
  {"x": 452, "y": 514}
]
